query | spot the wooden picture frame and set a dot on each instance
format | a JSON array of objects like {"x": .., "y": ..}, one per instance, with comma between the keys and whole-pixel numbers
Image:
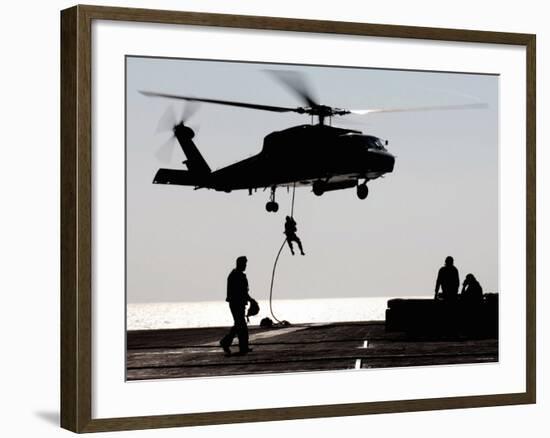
[{"x": 76, "y": 217}]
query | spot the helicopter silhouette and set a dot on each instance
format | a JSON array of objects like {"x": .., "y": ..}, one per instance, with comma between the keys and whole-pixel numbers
[{"x": 320, "y": 155}]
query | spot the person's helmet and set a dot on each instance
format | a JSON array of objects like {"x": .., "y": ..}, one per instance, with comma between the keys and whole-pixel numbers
[{"x": 253, "y": 308}]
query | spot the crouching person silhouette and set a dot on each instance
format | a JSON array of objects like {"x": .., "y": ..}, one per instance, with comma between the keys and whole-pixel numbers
[
  {"x": 472, "y": 292},
  {"x": 290, "y": 233},
  {"x": 237, "y": 297}
]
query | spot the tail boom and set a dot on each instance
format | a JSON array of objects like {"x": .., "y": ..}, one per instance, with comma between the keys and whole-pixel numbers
[{"x": 179, "y": 177}]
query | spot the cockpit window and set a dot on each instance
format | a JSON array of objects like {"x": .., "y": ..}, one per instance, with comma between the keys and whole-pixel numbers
[
  {"x": 374, "y": 143},
  {"x": 368, "y": 141}
]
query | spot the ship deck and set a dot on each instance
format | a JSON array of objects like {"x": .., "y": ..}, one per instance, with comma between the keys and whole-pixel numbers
[{"x": 195, "y": 352}]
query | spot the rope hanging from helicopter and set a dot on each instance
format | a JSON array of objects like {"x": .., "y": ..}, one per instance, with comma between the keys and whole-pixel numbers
[{"x": 283, "y": 323}]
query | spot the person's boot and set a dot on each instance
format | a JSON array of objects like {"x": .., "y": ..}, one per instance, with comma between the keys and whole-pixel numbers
[{"x": 225, "y": 347}]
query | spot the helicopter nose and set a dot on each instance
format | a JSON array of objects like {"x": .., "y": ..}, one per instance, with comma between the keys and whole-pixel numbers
[{"x": 389, "y": 161}]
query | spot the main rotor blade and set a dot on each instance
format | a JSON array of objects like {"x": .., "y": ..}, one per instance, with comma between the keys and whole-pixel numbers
[
  {"x": 278, "y": 109},
  {"x": 363, "y": 112},
  {"x": 296, "y": 83}
]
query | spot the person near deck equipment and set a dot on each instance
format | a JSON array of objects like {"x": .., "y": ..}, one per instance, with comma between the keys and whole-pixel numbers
[
  {"x": 447, "y": 279},
  {"x": 290, "y": 232},
  {"x": 237, "y": 297}
]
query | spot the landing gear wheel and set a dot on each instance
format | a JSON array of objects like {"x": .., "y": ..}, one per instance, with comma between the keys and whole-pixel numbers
[
  {"x": 272, "y": 206},
  {"x": 362, "y": 191},
  {"x": 318, "y": 188}
]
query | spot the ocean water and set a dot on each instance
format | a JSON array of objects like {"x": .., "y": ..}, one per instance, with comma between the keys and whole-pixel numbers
[{"x": 150, "y": 316}]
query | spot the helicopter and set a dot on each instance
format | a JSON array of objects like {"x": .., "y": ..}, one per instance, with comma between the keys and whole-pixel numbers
[{"x": 319, "y": 155}]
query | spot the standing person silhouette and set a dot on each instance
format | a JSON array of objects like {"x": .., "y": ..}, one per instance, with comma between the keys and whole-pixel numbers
[
  {"x": 237, "y": 297},
  {"x": 290, "y": 232},
  {"x": 447, "y": 279}
]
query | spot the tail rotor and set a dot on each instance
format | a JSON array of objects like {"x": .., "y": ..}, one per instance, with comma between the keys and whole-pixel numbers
[{"x": 169, "y": 122}]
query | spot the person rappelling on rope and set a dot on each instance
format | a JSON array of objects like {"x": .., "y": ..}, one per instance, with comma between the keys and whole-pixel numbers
[{"x": 290, "y": 232}]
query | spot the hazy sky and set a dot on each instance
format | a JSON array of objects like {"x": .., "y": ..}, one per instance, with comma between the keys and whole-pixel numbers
[{"x": 441, "y": 199}]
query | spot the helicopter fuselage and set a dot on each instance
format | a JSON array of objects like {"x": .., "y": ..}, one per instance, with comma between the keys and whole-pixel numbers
[{"x": 305, "y": 154}]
